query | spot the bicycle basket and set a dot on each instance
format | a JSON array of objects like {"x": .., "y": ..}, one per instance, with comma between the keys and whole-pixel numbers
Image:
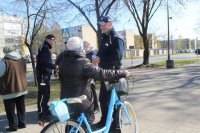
[
  {"x": 123, "y": 86},
  {"x": 60, "y": 110}
]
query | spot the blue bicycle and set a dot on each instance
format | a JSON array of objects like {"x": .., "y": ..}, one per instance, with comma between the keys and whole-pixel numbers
[{"x": 127, "y": 116}]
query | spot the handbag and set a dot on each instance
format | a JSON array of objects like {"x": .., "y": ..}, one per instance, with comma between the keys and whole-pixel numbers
[{"x": 121, "y": 87}]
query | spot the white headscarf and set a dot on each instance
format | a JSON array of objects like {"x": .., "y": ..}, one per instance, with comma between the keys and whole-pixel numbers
[
  {"x": 75, "y": 44},
  {"x": 12, "y": 52}
]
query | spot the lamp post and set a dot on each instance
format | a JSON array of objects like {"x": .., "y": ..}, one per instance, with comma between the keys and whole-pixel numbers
[{"x": 169, "y": 63}]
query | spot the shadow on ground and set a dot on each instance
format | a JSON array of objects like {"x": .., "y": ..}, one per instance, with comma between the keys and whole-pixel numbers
[{"x": 31, "y": 118}]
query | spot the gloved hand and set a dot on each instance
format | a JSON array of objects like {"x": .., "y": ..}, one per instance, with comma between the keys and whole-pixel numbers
[{"x": 127, "y": 73}]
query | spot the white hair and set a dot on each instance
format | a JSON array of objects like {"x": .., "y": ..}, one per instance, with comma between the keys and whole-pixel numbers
[{"x": 75, "y": 44}]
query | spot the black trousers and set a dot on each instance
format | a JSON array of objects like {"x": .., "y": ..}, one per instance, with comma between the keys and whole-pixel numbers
[
  {"x": 10, "y": 104},
  {"x": 43, "y": 94},
  {"x": 104, "y": 98}
]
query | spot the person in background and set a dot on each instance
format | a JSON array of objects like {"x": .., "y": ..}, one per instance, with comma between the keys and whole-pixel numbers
[
  {"x": 13, "y": 87},
  {"x": 109, "y": 56},
  {"x": 75, "y": 72},
  {"x": 91, "y": 53},
  {"x": 44, "y": 67}
]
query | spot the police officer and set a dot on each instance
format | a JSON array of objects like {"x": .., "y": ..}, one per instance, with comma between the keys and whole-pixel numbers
[
  {"x": 109, "y": 56},
  {"x": 44, "y": 69}
]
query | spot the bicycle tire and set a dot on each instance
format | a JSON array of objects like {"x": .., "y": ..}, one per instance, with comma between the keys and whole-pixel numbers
[
  {"x": 125, "y": 125},
  {"x": 61, "y": 127}
]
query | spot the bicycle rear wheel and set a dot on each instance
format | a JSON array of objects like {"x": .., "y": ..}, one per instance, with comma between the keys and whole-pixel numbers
[
  {"x": 127, "y": 126},
  {"x": 62, "y": 127}
]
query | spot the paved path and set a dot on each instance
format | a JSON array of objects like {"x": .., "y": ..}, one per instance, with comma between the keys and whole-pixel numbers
[{"x": 165, "y": 101}]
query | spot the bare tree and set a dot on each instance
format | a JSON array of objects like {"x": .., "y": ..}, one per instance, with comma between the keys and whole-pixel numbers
[
  {"x": 34, "y": 22},
  {"x": 37, "y": 13},
  {"x": 97, "y": 8},
  {"x": 54, "y": 29},
  {"x": 142, "y": 13}
]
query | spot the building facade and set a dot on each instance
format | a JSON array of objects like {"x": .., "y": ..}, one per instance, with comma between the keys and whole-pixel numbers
[
  {"x": 153, "y": 42},
  {"x": 83, "y": 31},
  {"x": 87, "y": 33},
  {"x": 128, "y": 37},
  {"x": 11, "y": 32}
]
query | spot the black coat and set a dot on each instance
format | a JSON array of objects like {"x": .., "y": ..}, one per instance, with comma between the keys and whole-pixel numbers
[
  {"x": 75, "y": 72},
  {"x": 44, "y": 64}
]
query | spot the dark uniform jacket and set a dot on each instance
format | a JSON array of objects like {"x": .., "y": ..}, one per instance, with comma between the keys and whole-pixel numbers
[
  {"x": 111, "y": 50},
  {"x": 44, "y": 61}
]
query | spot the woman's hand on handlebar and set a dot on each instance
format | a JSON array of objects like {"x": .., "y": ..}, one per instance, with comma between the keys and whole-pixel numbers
[{"x": 127, "y": 73}]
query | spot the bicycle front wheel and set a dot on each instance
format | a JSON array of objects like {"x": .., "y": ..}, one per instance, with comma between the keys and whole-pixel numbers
[
  {"x": 69, "y": 126},
  {"x": 127, "y": 121}
]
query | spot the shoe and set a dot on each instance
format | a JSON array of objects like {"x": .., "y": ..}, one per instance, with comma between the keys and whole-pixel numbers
[
  {"x": 21, "y": 126},
  {"x": 46, "y": 118},
  {"x": 11, "y": 129},
  {"x": 115, "y": 130}
]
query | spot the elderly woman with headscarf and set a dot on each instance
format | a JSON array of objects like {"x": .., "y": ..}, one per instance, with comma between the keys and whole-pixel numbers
[
  {"x": 13, "y": 87},
  {"x": 75, "y": 72}
]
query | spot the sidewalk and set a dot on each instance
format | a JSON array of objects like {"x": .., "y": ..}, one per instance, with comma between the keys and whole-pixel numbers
[
  {"x": 165, "y": 101},
  {"x": 32, "y": 124}
]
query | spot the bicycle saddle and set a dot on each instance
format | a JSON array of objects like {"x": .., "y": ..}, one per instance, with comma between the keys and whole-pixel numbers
[{"x": 76, "y": 99}]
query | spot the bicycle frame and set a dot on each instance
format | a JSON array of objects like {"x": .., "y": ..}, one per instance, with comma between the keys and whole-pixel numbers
[{"x": 114, "y": 102}]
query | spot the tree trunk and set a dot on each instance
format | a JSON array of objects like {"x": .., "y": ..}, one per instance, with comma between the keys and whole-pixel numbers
[
  {"x": 98, "y": 35},
  {"x": 146, "y": 50},
  {"x": 33, "y": 64},
  {"x": 146, "y": 57}
]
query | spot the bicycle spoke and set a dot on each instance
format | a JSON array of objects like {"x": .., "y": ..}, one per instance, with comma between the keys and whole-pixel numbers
[
  {"x": 127, "y": 119},
  {"x": 60, "y": 127}
]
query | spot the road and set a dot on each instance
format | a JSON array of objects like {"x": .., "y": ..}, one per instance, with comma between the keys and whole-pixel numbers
[
  {"x": 133, "y": 62},
  {"x": 167, "y": 100},
  {"x": 130, "y": 62}
]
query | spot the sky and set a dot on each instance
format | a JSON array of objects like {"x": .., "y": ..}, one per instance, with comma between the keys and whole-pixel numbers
[
  {"x": 182, "y": 23},
  {"x": 186, "y": 23}
]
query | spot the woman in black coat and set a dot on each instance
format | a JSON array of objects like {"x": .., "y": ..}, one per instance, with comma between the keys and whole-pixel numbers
[{"x": 75, "y": 73}]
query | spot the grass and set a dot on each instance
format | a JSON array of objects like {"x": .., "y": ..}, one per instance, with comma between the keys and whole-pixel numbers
[
  {"x": 139, "y": 57},
  {"x": 162, "y": 64},
  {"x": 31, "y": 97}
]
